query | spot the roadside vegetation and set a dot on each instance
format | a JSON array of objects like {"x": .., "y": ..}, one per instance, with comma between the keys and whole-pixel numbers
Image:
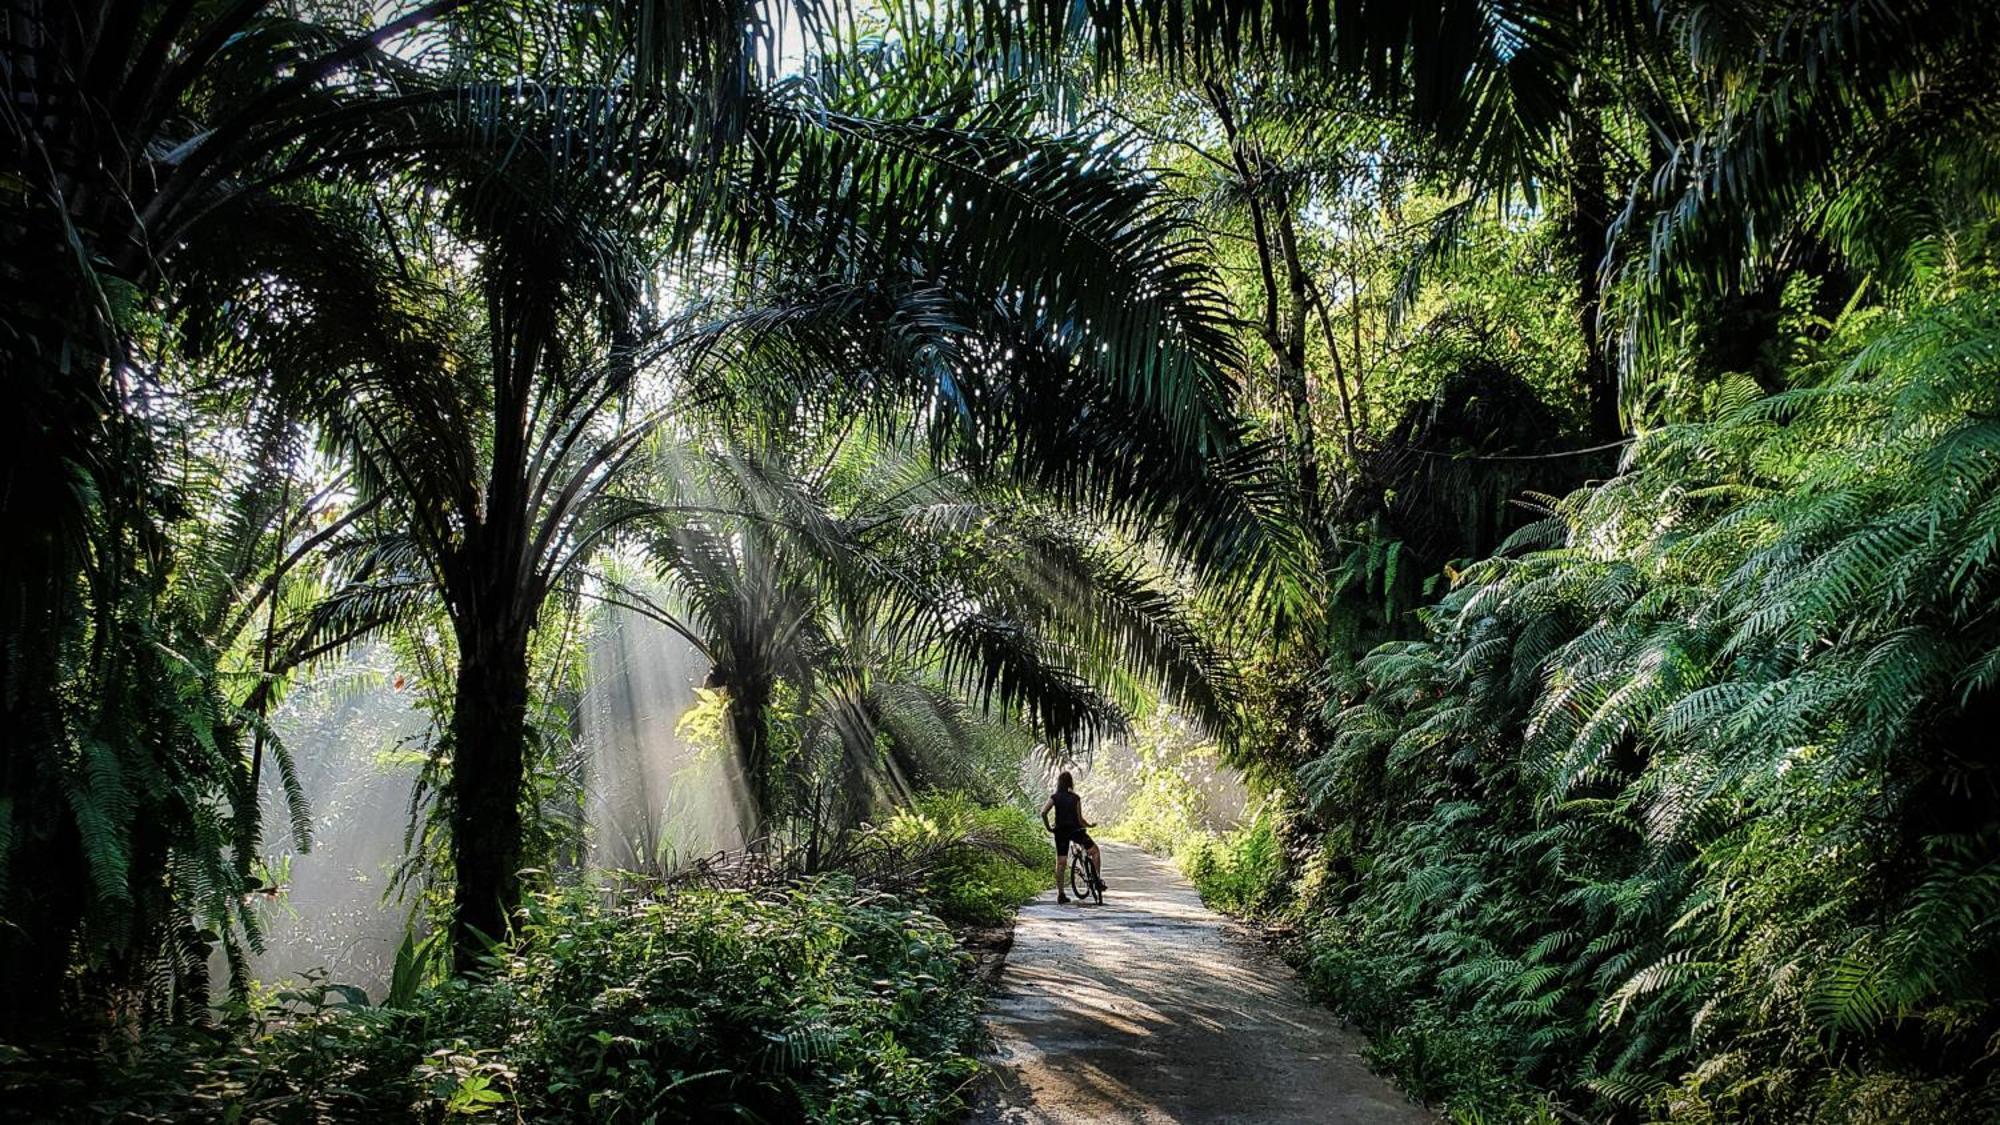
[
  {"x": 821, "y": 1001},
  {"x": 757, "y": 994},
  {"x": 1626, "y": 763}
]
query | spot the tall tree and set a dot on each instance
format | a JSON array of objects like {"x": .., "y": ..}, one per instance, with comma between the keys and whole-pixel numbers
[
  {"x": 132, "y": 130},
  {"x": 491, "y": 362}
]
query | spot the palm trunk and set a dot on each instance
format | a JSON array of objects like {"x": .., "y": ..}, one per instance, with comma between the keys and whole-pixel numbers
[
  {"x": 46, "y": 435},
  {"x": 748, "y": 725},
  {"x": 489, "y": 738},
  {"x": 495, "y": 599}
]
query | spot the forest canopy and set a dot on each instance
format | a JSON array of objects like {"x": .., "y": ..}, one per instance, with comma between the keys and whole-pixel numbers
[{"x": 1548, "y": 449}]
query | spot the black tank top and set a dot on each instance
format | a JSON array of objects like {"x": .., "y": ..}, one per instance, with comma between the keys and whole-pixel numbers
[{"x": 1067, "y": 806}]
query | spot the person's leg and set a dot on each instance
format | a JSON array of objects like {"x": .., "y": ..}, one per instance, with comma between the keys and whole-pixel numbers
[
  {"x": 1062, "y": 872},
  {"x": 1096, "y": 861}
]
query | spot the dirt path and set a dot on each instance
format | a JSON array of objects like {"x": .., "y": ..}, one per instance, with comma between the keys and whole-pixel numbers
[{"x": 1152, "y": 1008}]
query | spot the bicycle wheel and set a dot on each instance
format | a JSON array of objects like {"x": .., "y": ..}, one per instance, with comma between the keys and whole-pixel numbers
[{"x": 1081, "y": 881}]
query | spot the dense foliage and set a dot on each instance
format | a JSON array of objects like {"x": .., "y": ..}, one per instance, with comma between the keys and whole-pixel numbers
[
  {"x": 1548, "y": 447},
  {"x": 993, "y": 858},
  {"x": 1629, "y": 766},
  {"x": 1746, "y": 813},
  {"x": 817, "y": 1003},
  {"x": 1680, "y": 807}
]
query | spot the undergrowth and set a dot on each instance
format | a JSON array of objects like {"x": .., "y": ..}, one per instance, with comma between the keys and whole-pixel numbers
[
  {"x": 817, "y": 1003},
  {"x": 1242, "y": 871},
  {"x": 992, "y": 859}
]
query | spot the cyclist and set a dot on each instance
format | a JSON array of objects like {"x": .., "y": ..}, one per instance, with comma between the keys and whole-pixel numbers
[{"x": 1068, "y": 827}]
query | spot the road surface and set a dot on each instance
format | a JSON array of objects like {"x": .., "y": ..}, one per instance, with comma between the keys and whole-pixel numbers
[{"x": 1154, "y": 1009}]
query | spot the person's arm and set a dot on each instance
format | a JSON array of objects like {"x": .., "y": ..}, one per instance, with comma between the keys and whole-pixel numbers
[
  {"x": 1046, "y": 806},
  {"x": 1080, "y": 818}
]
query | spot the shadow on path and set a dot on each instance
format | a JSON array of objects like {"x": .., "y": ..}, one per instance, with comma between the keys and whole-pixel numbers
[{"x": 1153, "y": 1008}]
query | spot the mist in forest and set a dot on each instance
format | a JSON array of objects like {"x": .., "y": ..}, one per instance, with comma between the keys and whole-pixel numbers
[
  {"x": 356, "y": 736},
  {"x": 1163, "y": 752},
  {"x": 654, "y": 799}
]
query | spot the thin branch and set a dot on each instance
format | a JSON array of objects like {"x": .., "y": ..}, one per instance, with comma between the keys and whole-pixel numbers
[
  {"x": 1250, "y": 190},
  {"x": 1318, "y": 300}
]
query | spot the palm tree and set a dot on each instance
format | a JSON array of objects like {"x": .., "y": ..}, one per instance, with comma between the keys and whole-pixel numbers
[
  {"x": 133, "y": 133},
  {"x": 150, "y": 131},
  {"x": 890, "y": 598},
  {"x": 486, "y": 358}
]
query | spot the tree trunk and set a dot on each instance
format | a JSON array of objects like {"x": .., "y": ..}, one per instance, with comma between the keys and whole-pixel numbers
[
  {"x": 489, "y": 739},
  {"x": 49, "y": 437},
  {"x": 749, "y": 726},
  {"x": 1290, "y": 345}
]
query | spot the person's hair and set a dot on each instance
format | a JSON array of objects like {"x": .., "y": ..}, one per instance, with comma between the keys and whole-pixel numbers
[{"x": 1064, "y": 782}]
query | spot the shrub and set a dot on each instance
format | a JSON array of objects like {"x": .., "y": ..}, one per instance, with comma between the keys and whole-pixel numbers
[
  {"x": 981, "y": 862},
  {"x": 1243, "y": 871},
  {"x": 811, "y": 1004}
]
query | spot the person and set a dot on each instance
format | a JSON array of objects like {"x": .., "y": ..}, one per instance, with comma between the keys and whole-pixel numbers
[{"x": 1069, "y": 826}]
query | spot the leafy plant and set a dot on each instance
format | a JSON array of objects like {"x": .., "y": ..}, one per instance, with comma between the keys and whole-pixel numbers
[
  {"x": 815, "y": 1003},
  {"x": 1689, "y": 803},
  {"x": 1244, "y": 871},
  {"x": 988, "y": 860}
]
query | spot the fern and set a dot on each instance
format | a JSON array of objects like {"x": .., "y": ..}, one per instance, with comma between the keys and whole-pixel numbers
[{"x": 1716, "y": 786}]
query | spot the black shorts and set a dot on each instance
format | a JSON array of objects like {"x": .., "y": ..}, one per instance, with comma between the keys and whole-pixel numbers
[{"x": 1065, "y": 835}]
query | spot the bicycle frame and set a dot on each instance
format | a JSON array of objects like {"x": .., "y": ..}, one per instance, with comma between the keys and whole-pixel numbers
[{"x": 1083, "y": 875}]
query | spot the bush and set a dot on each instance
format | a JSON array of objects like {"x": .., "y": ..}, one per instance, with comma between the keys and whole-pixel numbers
[
  {"x": 812, "y": 1004},
  {"x": 1438, "y": 1054},
  {"x": 1670, "y": 812},
  {"x": 982, "y": 862},
  {"x": 1243, "y": 871}
]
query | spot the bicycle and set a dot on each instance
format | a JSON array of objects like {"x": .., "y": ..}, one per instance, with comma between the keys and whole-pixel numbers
[{"x": 1083, "y": 876}]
